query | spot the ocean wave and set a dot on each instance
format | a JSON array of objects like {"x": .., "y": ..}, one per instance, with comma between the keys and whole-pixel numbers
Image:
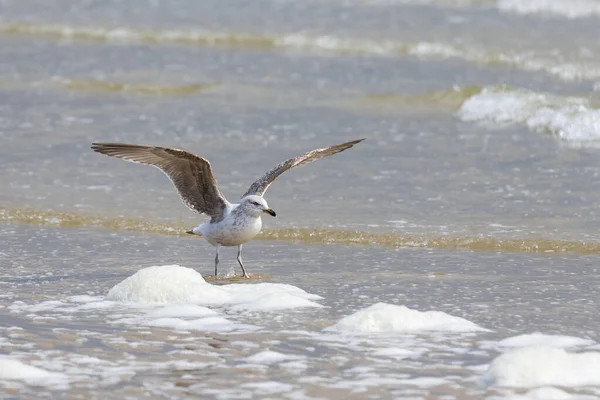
[
  {"x": 550, "y": 63},
  {"x": 133, "y": 35},
  {"x": 573, "y": 119},
  {"x": 563, "y": 8},
  {"x": 560, "y": 8},
  {"x": 312, "y": 236}
]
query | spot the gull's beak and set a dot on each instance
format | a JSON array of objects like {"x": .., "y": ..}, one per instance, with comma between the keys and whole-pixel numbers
[{"x": 270, "y": 212}]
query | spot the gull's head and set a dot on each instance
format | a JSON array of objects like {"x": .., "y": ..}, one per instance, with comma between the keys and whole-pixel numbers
[{"x": 256, "y": 205}]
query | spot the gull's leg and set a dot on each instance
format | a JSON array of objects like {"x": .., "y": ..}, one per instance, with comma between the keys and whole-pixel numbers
[
  {"x": 239, "y": 258},
  {"x": 217, "y": 260}
]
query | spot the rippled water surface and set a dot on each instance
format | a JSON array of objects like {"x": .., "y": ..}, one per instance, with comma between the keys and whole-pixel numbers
[{"x": 473, "y": 195}]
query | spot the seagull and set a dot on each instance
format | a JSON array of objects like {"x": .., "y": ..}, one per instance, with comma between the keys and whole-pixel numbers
[{"x": 230, "y": 224}]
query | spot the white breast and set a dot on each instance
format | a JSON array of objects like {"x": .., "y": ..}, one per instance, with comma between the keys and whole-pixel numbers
[{"x": 230, "y": 232}]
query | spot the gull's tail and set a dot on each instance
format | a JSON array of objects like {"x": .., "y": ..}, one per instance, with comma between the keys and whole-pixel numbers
[{"x": 193, "y": 233}]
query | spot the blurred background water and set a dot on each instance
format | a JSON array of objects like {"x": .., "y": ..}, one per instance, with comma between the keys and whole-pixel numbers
[{"x": 481, "y": 119}]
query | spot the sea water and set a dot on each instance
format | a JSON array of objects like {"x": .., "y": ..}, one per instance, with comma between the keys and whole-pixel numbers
[{"x": 452, "y": 254}]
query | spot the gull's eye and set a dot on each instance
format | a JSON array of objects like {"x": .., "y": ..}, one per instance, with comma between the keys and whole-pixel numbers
[{"x": 255, "y": 203}]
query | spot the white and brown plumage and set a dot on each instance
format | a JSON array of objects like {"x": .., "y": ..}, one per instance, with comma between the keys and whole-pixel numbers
[{"x": 229, "y": 224}]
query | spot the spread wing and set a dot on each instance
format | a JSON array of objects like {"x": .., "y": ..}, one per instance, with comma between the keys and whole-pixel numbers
[
  {"x": 191, "y": 175},
  {"x": 262, "y": 184}
]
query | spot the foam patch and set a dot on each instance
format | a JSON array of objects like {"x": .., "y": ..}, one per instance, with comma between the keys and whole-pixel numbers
[
  {"x": 14, "y": 370},
  {"x": 383, "y": 317},
  {"x": 544, "y": 366}
]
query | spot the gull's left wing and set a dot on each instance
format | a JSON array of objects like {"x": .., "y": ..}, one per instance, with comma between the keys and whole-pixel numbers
[{"x": 262, "y": 184}]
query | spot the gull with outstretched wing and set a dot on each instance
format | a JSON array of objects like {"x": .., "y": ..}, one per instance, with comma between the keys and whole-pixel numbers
[{"x": 230, "y": 224}]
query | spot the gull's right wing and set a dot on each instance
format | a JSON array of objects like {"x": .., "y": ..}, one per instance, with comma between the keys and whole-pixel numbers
[{"x": 191, "y": 175}]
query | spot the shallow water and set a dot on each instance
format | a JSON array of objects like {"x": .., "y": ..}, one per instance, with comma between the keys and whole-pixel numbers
[
  {"x": 474, "y": 193},
  {"x": 509, "y": 294}
]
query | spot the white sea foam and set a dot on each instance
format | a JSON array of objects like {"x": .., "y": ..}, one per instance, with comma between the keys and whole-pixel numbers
[
  {"x": 173, "y": 284},
  {"x": 14, "y": 370},
  {"x": 275, "y": 301},
  {"x": 571, "y": 118},
  {"x": 182, "y": 310},
  {"x": 383, "y": 317},
  {"x": 539, "y": 339},
  {"x": 397, "y": 353},
  {"x": 250, "y": 292},
  {"x": 544, "y": 366},
  {"x": 185, "y": 292},
  {"x": 211, "y": 324},
  {"x": 174, "y": 297},
  {"x": 269, "y": 357},
  {"x": 563, "y": 8},
  {"x": 544, "y": 393},
  {"x": 85, "y": 298},
  {"x": 167, "y": 284},
  {"x": 269, "y": 387}
]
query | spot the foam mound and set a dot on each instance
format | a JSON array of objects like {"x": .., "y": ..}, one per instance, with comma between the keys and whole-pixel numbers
[
  {"x": 541, "y": 340},
  {"x": 14, "y": 370},
  {"x": 173, "y": 284},
  {"x": 167, "y": 284},
  {"x": 270, "y": 357},
  {"x": 383, "y": 317},
  {"x": 544, "y": 366}
]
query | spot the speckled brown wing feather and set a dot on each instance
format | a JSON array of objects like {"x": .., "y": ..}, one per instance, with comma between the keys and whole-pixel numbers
[
  {"x": 262, "y": 184},
  {"x": 191, "y": 175}
]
